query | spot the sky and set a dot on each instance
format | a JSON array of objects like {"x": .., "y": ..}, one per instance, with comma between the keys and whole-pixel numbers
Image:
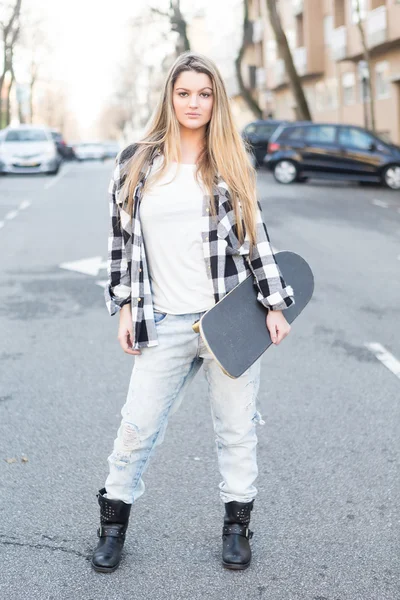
[{"x": 89, "y": 40}]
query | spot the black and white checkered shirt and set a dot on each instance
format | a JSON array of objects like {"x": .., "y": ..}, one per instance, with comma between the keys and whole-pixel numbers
[{"x": 226, "y": 260}]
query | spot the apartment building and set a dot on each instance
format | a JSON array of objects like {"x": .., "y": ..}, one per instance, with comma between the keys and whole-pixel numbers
[{"x": 326, "y": 45}]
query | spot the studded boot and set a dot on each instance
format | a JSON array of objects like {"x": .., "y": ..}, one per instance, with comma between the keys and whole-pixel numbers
[
  {"x": 236, "y": 551},
  {"x": 114, "y": 517}
]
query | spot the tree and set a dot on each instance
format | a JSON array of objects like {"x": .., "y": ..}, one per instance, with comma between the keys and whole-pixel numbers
[
  {"x": 178, "y": 24},
  {"x": 367, "y": 58},
  {"x": 10, "y": 29},
  {"x": 244, "y": 91},
  {"x": 303, "y": 111}
]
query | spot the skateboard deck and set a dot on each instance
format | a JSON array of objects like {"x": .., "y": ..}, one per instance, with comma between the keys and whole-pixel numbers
[{"x": 235, "y": 331}]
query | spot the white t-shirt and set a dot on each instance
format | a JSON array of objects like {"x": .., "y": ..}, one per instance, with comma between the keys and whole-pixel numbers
[{"x": 170, "y": 216}]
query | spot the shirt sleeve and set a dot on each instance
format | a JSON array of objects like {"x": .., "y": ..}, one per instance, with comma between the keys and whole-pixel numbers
[
  {"x": 118, "y": 289},
  {"x": 273, "y": 293}
]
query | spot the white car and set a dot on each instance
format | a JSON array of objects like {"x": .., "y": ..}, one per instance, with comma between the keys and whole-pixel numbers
[
  {"x": 89, "y": 151},
  {"x": 28, "y": 149}
]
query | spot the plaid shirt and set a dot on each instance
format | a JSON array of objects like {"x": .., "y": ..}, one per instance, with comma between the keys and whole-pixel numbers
[{"x": 226, "y": 260}]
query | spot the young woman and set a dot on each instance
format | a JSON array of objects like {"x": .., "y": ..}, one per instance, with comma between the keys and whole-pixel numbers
[{"x": 186, "y": 228}]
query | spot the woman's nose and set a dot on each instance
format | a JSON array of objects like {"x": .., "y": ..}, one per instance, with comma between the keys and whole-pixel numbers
[{"x": 193, "y": 101}]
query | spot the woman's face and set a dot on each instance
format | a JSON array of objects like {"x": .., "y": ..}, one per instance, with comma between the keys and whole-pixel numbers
[{"x": 193, "y": 99}]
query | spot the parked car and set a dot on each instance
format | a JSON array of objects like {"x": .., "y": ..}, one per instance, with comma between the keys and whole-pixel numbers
[
  {"x": 301, "y": 150},
  {"x": 258, "y": 134},
  {"x": 64, "y": 150},
  {"x": 111, "y": 149},
  {"x": 89, "y": 151},
  {"x": 28, "y": 149}
]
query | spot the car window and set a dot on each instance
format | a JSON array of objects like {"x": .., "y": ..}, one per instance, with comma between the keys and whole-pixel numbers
[
  {"x": 266, "y": 130},
  {"x": 26, "y": 135},
  {"x": 295, "y": 133},
  {"x": 349, "y": 136},
  {"x": 250, "y": 129},
  {"x": 321, "y": 134}
]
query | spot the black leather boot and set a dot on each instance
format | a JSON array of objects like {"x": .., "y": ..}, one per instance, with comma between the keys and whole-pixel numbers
[
  {"x": 114, "y": 517},
  {"x": 236, "y": 551}
]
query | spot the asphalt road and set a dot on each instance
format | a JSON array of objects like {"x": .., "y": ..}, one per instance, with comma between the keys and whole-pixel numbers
[{"x": 326, "y": 518}]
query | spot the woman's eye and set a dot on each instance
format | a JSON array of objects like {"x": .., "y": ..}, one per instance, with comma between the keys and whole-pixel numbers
[
  {"x": 183, "y": 93},
  {"x": 206, "y": 95}
]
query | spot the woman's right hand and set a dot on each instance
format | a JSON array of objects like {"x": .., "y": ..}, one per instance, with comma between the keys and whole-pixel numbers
[{"x": 125, "y": 330}]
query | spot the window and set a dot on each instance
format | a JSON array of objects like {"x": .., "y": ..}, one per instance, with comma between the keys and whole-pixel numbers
[
  {"x": 320, "y": 96},
  {"x": 26, "y": 135},
  {"x": 354, "y": 10},
  {"x": 382, "y": 80},
  {"x": 349, "y": 88},
  {"x": 355, "y": 138},
  {"x": 321, "y": 134},
  {"x": 294, "y": 134},
  {"x": 271, "y": 51},
  {"x": 331, "y": 94},
  {"x": 363, "y": 82}
]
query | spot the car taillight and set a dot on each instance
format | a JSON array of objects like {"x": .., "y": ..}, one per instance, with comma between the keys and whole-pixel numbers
[{"x": 273, "y": 147}]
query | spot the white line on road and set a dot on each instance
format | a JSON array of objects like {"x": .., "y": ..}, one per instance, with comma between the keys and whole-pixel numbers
[
  {"x": 385, "y": 357},
  {"x": 1, "y": 224},
  {"x": 24, "y": 204},
  {"x": 56, "y": 179},
  {"x": 11, "y": 215},
  {"x": 380, "y": 203}
]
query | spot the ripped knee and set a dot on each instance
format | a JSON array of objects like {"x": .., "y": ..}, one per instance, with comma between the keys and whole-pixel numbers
[
  {"x": 130, "y": 437},
  {"x": 128, "y": 443}
]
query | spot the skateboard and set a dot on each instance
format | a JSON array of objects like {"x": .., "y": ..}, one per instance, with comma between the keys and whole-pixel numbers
[{"x": 234, "y": 330}]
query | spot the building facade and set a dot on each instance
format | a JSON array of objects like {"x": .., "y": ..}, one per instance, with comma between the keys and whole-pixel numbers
[{"x": 326, "y": 46}]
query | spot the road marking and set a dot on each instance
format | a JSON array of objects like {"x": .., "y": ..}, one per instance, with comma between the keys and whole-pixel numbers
[
  {"x": 1, "y": 224},
  {"x": 11, "y": 215},
  {"x": 380, "y": 203},
  {"x": 88, "y": 266},
  {"x": 56, "y": 179},
  {"x": 385, "y": 357},
  {"x": 24, "y": 204}
]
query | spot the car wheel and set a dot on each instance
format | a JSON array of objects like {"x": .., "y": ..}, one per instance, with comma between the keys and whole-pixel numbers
[
  {"x": 391, "y": 177},
  {"x": 285, "y": 171}
]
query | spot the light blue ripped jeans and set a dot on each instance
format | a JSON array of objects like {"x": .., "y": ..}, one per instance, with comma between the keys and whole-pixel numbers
[{"x": 160, "y": 377}]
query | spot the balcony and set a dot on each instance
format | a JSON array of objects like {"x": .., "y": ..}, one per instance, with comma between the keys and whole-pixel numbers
[
  {"x": 298, "y": 7},
  {"x": 377, "y": 26},
  {"x": 339, "y": 43},
  {"x": 300, "y": 60},
  {"x": 280, "y": 72},
  {"x": 261, "y": 78},
  {"x": 258, "y": 31}
]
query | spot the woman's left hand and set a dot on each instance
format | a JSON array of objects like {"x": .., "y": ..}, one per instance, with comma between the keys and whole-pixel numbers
[{"x": 277, "y": 326}]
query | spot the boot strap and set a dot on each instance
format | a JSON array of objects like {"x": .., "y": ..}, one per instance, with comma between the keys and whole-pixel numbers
[
  {"x": 110, "y": 531},
  {"x": 238, "y": 529}
]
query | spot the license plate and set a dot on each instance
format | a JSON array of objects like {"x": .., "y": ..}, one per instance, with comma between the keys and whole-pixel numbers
[{"x": 28, "y": 163}]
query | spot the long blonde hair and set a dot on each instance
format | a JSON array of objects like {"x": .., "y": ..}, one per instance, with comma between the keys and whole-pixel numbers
[{"x": 224, "y": 151}]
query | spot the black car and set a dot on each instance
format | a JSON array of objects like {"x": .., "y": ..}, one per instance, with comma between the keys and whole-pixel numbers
[
  {"x": 63, "y": 149},
  {"x": 300, "y": 150},
  {"x": 258, "y": 134}
]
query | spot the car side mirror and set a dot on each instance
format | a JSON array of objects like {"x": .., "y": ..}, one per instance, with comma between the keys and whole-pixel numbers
[{"x": 372, "y": 147}]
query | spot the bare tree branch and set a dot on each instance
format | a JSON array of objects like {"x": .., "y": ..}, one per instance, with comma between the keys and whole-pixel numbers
[
  {"x": 244, "y": 92},
  {"x": 303, "y": 111}
]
